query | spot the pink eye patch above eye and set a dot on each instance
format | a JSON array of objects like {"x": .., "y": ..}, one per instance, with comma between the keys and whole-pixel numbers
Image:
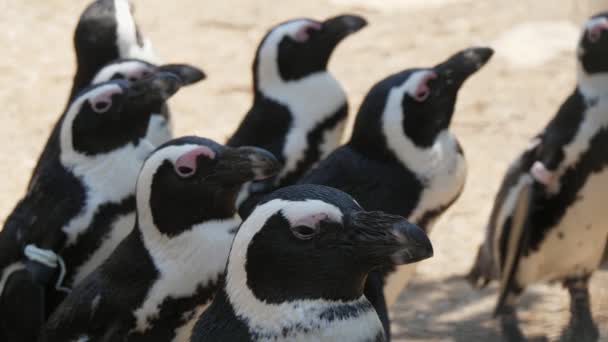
[
  {"x": 185, "y": 166},
  {"x": 138, "y": 74},
  {"x": 423, "y": 90},
  {"x": 303, "y": 34},
  {"x": 102, "y": 102}
]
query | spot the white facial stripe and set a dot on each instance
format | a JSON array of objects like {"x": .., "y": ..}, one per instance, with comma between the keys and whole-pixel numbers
[
  {"x": 66, "y": 142},
  {"x": 129, "y": 68},
  {"x": 144, "y": 183},
  {"x": 269, "y": 51},
  {"x": 413, "y": 83},
  {"x": 126, "y": 36},
  {"x": 259, "y": 313}
]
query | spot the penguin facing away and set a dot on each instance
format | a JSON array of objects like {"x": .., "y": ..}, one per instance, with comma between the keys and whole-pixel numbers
[
  {"x": 159, "y": 129},
  {"x": 299, "y": 109},
  {"x": 298, "y": 265},
  {"x": 401, "y": 158},
  {"x": 563, "y": 233},
  {"x": 169, "y": 266},
  {"x": 81, "y": 204},
  {"x": 107, "y": 31}
]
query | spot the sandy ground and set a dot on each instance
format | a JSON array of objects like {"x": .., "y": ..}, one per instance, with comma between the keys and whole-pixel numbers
[{"x": 498, "y": 110}]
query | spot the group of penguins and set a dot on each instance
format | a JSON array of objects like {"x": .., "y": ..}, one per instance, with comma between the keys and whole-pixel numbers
[{"x": 282, "y": 233}]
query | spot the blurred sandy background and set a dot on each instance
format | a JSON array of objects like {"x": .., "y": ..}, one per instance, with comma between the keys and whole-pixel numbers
[{"x": 499, "y": 109}]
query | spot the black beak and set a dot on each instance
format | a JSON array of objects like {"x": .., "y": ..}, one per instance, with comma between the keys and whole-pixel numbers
[
  {"x": 152, "y": 92},
  {"x": 240, "y": 165},
  {"x": 187, "y": 74},
  {"x": 463, "y": 64},
  {"x": 337, "y": 28},
  {"x": 382, "y": 239}
]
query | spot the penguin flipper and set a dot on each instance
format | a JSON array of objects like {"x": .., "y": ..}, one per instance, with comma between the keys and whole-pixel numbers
[
  {"x": 516, "y": 239},
  {"x": 374, "y": 292}
]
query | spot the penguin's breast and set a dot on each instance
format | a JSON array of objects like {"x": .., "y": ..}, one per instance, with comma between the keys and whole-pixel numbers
[{"x": 575, "y": 245}]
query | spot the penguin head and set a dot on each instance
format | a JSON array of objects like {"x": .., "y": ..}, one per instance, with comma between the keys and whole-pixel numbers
[
  {"x": 191, "y": 180},
  {"x": 298, "y": 48},
  {"x": 107, "y": 31},
  {"x": 417, "y": 104},
  {"x": 133, "y": 70},
  {"x": 593, "y": 45},
  {"x": 311, "y": 242},
  {"x": 110, "y": 115}
]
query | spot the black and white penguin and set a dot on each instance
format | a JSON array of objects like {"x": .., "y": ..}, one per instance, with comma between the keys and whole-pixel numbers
[
  {"x": 159, "y": 129},
  {"x": 81, "y": 203},
  {"x": 164, "y": 273},
  {"x": 299, "y": 109},
  {"x": 107, "y": 31},
  {"x": 402, "y": 158},
  {"x": 548, "y": 221},
  {"x": 298, "y": 265}
]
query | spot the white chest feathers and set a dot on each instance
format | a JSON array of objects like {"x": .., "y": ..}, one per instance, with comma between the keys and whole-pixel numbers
[
  {"x": 311, "y": 100},
  {"x": 193, "y": 259},
  {"x": 107, "y": 178}
]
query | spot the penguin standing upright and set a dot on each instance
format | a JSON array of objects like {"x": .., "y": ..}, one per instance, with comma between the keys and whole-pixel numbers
[
  {"x": 105, "y": 31},
  {"x": 549, "y": 221},
  {"x": 168, "y": 268},
  {"x": 299, "y": 109},
  {"x": 298, "y": 265},
  {"x": 81, "y": 203},
  {"x": 401, "y": 157}
]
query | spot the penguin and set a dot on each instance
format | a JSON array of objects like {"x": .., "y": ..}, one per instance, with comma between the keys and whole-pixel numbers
[
  {"x": 548, "y": 222},
  {"x": 298, "y": 265},
  {"x": 402, "y": 158},
  {"x": 159, "y": 129},
  {"x": 170, "y": 265},
  {"x": 107, "y": 31},
  {"x": 81, "y": 204},
  {"x": 299, "y": 108}
]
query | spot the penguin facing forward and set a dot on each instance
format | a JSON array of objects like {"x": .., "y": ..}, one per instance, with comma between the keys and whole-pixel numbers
[
  {"x": 299, "y": 109},
  {"x": 159, "y": 129},
  {"x": 297, "y": 269},
  {"x": 548, "y": 222},
  {"x": 162, "y": 275},
  {"x": 107, "y": 31},
  {"x": 401, "y": 158},
  {"x": 81, "y": 204}
]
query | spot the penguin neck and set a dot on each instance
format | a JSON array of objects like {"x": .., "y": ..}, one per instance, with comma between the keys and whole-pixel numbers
[
  {"x": 297, "y": 94},
  {"x": 592, "y": 86}
]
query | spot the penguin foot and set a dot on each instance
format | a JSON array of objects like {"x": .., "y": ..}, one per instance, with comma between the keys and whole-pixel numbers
[
  {"x": 510, "y": 328},
  {"x": 580, "y": 331}
]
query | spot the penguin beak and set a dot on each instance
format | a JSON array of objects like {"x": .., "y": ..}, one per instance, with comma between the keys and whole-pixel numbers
[
  {"x": 240, "y": 165},
  {"x": 187, "y": 74},
  {"x": 381, "y": 239},
  {"x": 337, "y": 28},
  {"x": 151, "y": 92},
  {"x": 463, "y": 64}
]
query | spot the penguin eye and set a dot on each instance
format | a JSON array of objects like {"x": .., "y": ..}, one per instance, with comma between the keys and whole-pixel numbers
[
  {"x": 422, "y": 95},
  {"x": 118, "y": 76},
  {"x": 305, "y": 232},
  {"x": 102, "y": 106}
]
